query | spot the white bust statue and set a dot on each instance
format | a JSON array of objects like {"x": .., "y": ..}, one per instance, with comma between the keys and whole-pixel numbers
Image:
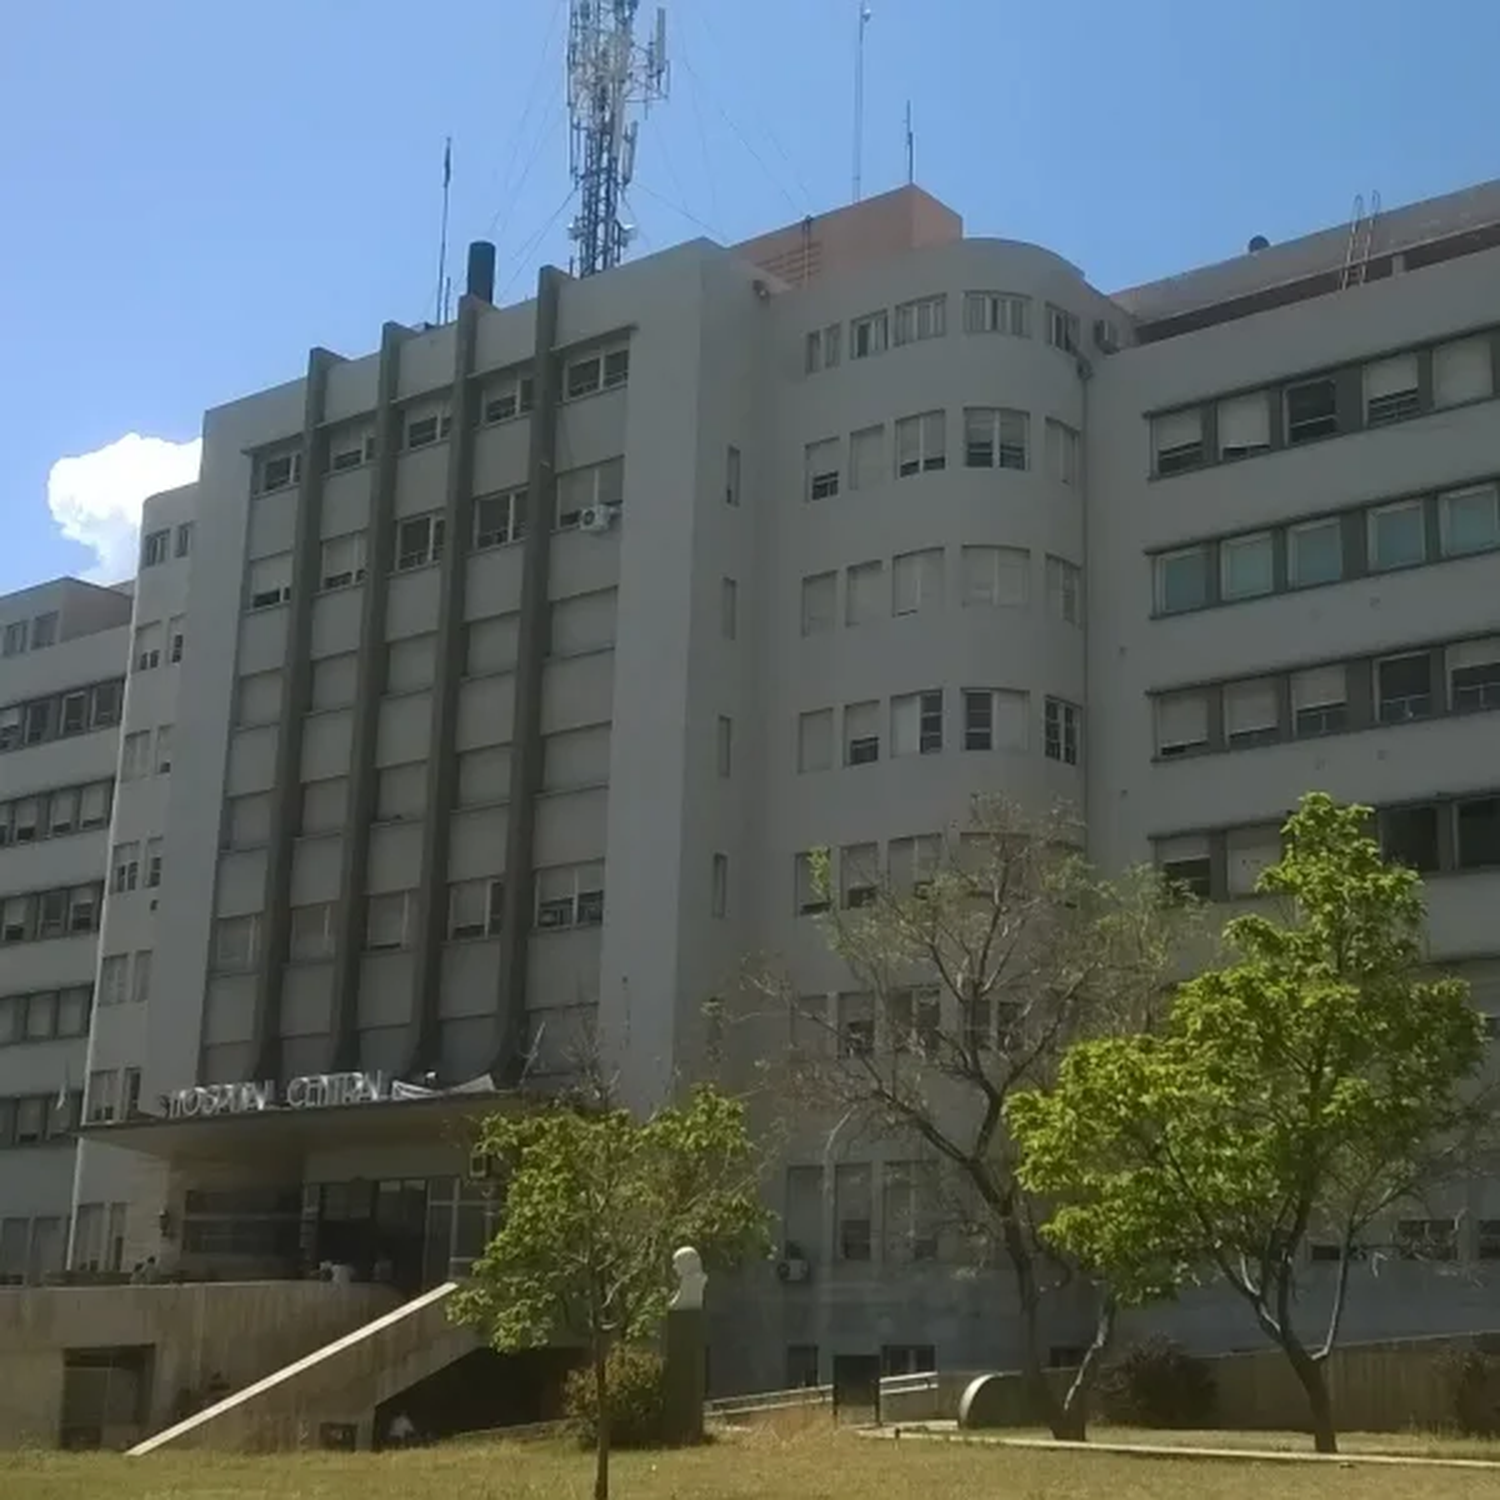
[{"x": 687, "y": 1265}]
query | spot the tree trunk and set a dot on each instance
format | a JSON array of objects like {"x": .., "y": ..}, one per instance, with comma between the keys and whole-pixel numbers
[
  {"x": 601, "y": 1419},
  {"x": 1075, "y": 1406},
  {"x": 1044, "y": 1404},
  {"x": 1310, "y": 1374}
]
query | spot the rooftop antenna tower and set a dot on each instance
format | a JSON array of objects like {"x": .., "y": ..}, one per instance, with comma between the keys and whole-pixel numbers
[
  {"x": 607, "y": 73},
  {"x": 859, "y": 102},
  {"x": 443, "y": 284}
]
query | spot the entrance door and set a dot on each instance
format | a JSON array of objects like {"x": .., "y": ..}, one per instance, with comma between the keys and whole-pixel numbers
[
  {"x": 856, "y": 1382},
  {"x": 400, "y": 1219}
]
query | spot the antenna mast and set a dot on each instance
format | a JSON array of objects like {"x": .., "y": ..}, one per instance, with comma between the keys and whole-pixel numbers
[
  {"x": 911, "y": 148},
  {"x": 442, "y": 269},
  {"x": 859, "y": 101},
  {"x": 607, "y": 73}
]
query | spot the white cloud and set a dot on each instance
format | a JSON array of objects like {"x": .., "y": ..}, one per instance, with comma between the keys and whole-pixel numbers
[{"x": 96, "y": 498}]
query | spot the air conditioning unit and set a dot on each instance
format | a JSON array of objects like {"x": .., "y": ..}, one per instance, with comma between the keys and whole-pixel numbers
[
  {"x": 597, "y": 518},
  {"x": 1106, "y": 336},
  {"x": 792, "y": 1268}
]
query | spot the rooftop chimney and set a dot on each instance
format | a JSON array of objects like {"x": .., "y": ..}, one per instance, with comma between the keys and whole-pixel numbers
[{"x": 481, "y": 278}]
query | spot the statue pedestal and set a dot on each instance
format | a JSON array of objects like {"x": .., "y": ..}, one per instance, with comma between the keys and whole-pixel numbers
[{"x": 682, "y": 1355}]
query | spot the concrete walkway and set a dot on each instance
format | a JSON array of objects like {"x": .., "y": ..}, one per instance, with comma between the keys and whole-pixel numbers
[{"x": 951, "y": 1433}]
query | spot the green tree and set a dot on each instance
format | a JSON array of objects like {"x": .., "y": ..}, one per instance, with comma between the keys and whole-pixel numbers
[
  {"x": 596, "y": 1201},
  {"x": 978, "y": 957},
  {"x": 1310, "y": 1085}
]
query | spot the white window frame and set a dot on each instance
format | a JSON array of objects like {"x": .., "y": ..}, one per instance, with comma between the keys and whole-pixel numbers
[
  {"x": 1064, "y": 331},
  {"x": 997, "y": 312},
  {"x": 1262, "y": 540},
  {"x": 861, "y": 739},
  {"x": 512, "y": 505},
  {"x": 1063, "y": 457},
  {"x": 341, "y": 562},
  {"x": 1308, "y": 528},
  {"x": 1064, "y": 590},
  {"x": 1191, "y": 739},
  {"x": 813, "y": 585},
  {"x": 1160, "y": 565},
  {"x": 1000, "y": 563},
  {"x": 1247, "y": 418},
  {"x": 1489, "y": 491},
  {"x": 389, "y": 913},
  {"x": 917, "y": 582},
  {"x": 1177, "y": 441},
  {"x": 1372, "y": 532},
  {"x": 408, "y": 557},
  {"x": 869, "y": 335},
  {"x": 922, "y": 318},
  {"x": 997, "y": 437},
  {"x": 823, "y": 469},
  {"x": 921, "y": 445},
  {"x": 1062, "y": 731},
  {"x": 513, "y": 397}
]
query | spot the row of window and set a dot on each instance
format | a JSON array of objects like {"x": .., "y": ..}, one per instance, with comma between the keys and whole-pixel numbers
[
  {"x": 424, "y": 423},
  {"x": 159, "y": 637},
  {"x": 564, "y": 896},
  {"x": 994, "y": 437},
  {"x": 1403, "y": 533},
  {"x": 898, "y": 1224},
  {"x": 35, "y": 634},
  {"x": 55, "y": 814},
  {"x": 60, "y": 715},
  {"x": 1310, "y": 408},
  {"x": 915, "y": 1021},
  {"x": 45, "y": 1015},
  {"x": 992, "y": 719},
  {"x": 1461, "y": 677},
  {"x": 36, "y": 1119},
  {"x": 157, "y": 546},
  {"x": 989, "y": 577},
  {"x": 925, "y": 318},
  {"x": 129, "y": 870},
  {"x": 855, "y": 872},
  {"x": 1440, "y": 836},
  {"x": 37, "y": 915}
]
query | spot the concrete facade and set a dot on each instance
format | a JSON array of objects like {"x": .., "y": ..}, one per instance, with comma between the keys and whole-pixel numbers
[{"x": 526, "y": 654}]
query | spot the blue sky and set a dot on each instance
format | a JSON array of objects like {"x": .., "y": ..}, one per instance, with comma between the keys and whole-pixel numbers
[{"x": 193, "y": 192}]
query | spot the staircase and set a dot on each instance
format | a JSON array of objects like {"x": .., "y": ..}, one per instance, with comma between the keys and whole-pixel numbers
[{"x": 331, "y": 1394}]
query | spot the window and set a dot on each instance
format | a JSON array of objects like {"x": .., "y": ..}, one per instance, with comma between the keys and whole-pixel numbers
[
  {"x": 1462, "y": 371},
  {"x": 25, "y": 814},
  {"x": 917, "y": 723},
  {"x": 62, "y": 813},
  {"x": 823, "y": 469},
  {"x": 17, "y": 916},
  {"x": 1245, "y": 567},
  {"x": 599, "y": 486},
  {"x": 1427, "y": 1239},
  {"x": 176, "y": 638},
  {"x": 719, "y": 886},
  {"x": 270, "y": 581},
  {"x": 125, "y": 868},
  {"x": 156, "y": 548},
  {"x": 867, "y": 469},
  {"x": 1315, "y": 553},
  {"x": 728, "y": 608},
  {"x": 1403, "y": 688},
  {"x": 732, "y": 475},
  {"x": 911, "y": 1232},
  {"x": 1249, "y": 852},
  {"x": 861, "y": 733},
  {"x": 1478, "y": 833},
  {"x": 1311, "y": 410},
  {"x": 1182, "y": 580},
  {"x": 1469, "y": 520},
  {"x": 869, "y": 335},
  {"x": 511, "y": 398},
  {"x": 1488, "y": 1243},
  {"x": 153, "y": 863},
  {"x": 400, "y": 792},
  {"x": 422, "y": 431},
  {"x": 15, "y": 637},
  {"x": 1185, "y": 864},
  {"x": 1250, "y": 713},
  {"x": 184, "y": 546},
  {"x": 913, "y": 862},
  {"x": 815, "y": 740},
  {"x": 277, "y": 471},
  {"x": 1064, "y": 591},
  {"x": 914, "y": 1019},
  {"x": 856, "y": 1025},
  {"x": 995, "y": 719},
  {"x": 135, "y": 755},
  {"x": 1391, "y": 390},
  {"x": 921, "y": 443},
  {"x": 996, "y": 576},
  {"x": 812, "y": 898},
  {"x": 925, "y": 318},
  {"x": 94, "y": 804},
  {"x": 819, "y": 603},
  {"x": 148, "y": 643},
  {"x": 1244, "y": 425},
  {"x": 823, "y": 348},
  {"x": 724, "y": 745},
  {"x": 83, "y": 908},
  {"x": 44, "y": 631},
  {"x": 995, "y": 438},
  {"x": 258, "y": 698},
  {"x": 40, "y": 721},
  {"x": 1397, "y": 535},
  {"x": 570, "y": 894},
  {"x": 419, "y": 541},
  {"x": 864, "y": 597},
  {"x": 1181, "y": 724},
  {"x": 852, "y": 1210},
  {"x": 1474, "y": 675},
  {"x": 1409, "y": 836},
  {"x": 1320, "y": 701},
  {"x": 499, "y": 519},
  {"x": 163, "y": 749},
  {"x": 997, "y": 312},
  {"x": 236, "y": 941},
  {"x": 917, "y": 581},
  {"x": 1177, "y": 441},
  {"x": 75, "y": 714},
  {"x": 1062, "y": 452},
  {"x": 343, "y": 561},
  {"x": 114, "y": 979},
  {"x": 474, "y": 908},
  {"x": 1062, "y": 329},
  {"x": 10, "y": 727},
  {"x": 105, "y": 711},
  {"x": 1062, "y": 731},
  {"x": 140, "y": 977},
  {"x": 387, "y": 918}
]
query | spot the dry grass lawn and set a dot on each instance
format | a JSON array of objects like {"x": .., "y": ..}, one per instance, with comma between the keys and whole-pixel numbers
[{"x": 813, "y": 1465}]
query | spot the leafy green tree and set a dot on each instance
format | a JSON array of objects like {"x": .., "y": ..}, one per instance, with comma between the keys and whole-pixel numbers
[
  {"x": 596, "y": 1201},
  {"x": 1307, "y": 1087},
  {"x": 982, "y": 957}
]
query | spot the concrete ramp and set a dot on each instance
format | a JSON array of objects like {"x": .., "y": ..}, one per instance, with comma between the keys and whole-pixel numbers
[{"x": 331, "y": 1394}]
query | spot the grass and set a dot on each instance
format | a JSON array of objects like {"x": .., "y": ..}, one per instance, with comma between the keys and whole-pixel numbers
[
  {"x": 750, "y": 1465},
  {"x": 1399, "y": 1444}
]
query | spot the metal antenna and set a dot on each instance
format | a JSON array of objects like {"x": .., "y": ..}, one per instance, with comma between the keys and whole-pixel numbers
[
  {"x": 859, "y": 101},
  {"x": 442, "y": 266},
  {"x": 911, "y": 148},
  {"x": 607, "y": 73}
]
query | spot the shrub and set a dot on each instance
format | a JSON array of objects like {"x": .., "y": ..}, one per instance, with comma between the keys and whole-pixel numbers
[
  {"x": 1157, "y": 1383},
  {"x": 1473, "y": 1381},
  {"x": 634, "y": 1380}
]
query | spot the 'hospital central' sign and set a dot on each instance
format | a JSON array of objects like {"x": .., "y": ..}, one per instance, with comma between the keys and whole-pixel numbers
[{"x": 315, "y": 1091}]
